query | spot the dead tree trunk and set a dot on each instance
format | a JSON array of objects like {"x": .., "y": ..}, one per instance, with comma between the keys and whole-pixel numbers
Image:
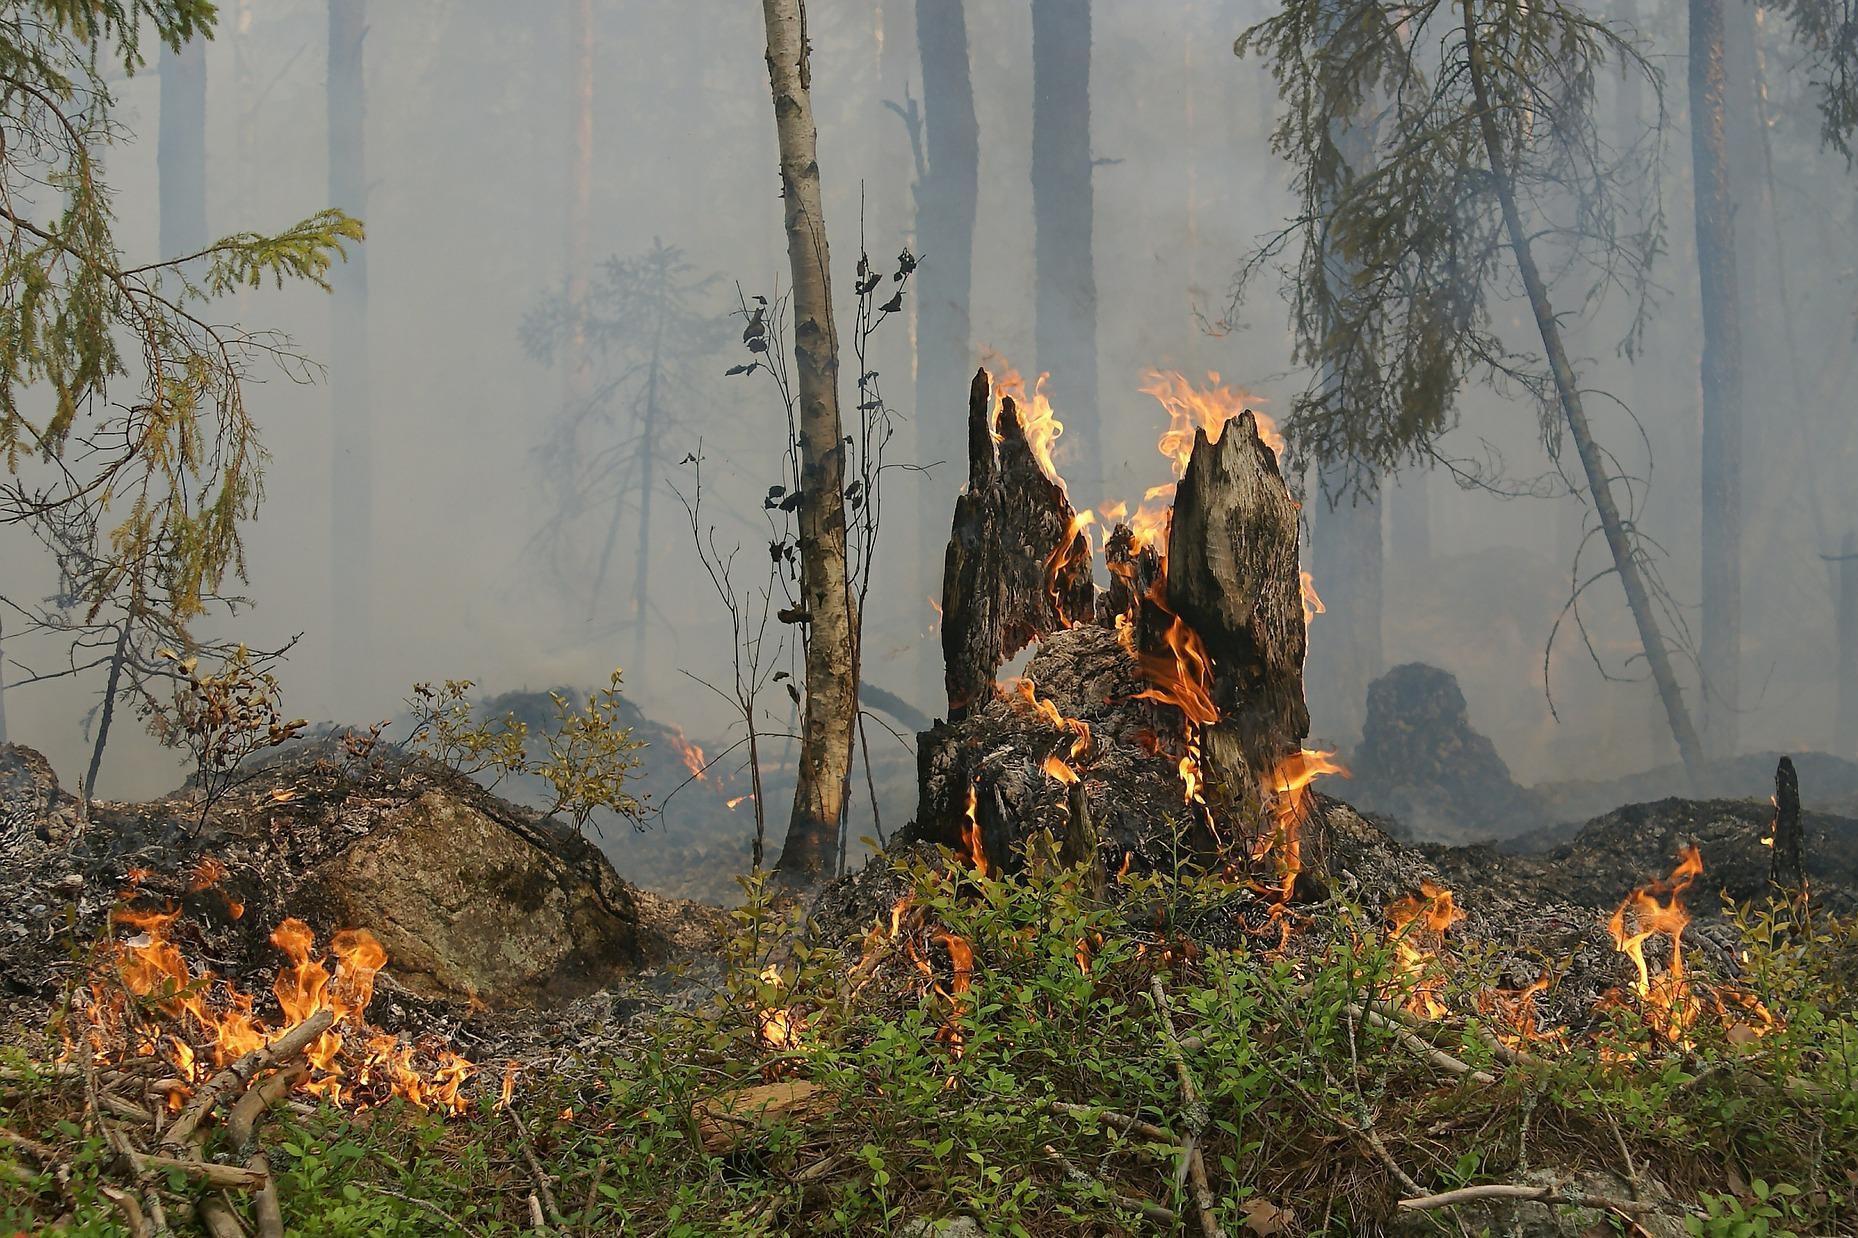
[
  {"x": 1232, "y": 577},
  {"x": 825, "y": 597}
]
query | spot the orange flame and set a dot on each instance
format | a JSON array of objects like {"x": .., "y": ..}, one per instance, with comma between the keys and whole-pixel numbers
[
  {"x": 971, "y": 833},
  {"x": 1036, "y": 417},
  {"x": 1658, "y": 908},
  {"x": 1312, "y": 604},
  {"x": 1418, "y": 923},
  {"x": 1056, "y": 767},
  {"x": 778, "y": 1026},
  {"x": 150, "y": 965},
  {"x": 692, "y": 754}
]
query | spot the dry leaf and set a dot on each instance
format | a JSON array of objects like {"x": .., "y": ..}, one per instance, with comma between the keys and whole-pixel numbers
[{"x": 1266, "y": 1219}]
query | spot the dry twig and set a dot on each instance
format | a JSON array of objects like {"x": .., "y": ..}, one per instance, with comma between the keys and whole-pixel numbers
[{"x": 1196, "y": 1115}]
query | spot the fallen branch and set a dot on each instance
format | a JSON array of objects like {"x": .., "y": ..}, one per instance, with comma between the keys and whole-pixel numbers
[
  {"x": 241, "y": 1073},
  {"x": 1195, "y": 1112},
  {"x": 1539, "y": 1194},
  {"x": 1147, "y": 1207},
  {"x": 1436, "y": 1056},
  {"x": 1120, "y": 1121},
  {"x": 541, "y": 1179}
]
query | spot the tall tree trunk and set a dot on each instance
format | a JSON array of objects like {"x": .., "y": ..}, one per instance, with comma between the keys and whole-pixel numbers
[
  {"x": 946, "y": 202},
  {"x": 1568, "y": 391},
  {"x": 107, "y": 714},
  {"x": 351, "y": 463},
  {"x": 580, "y": 207},
  {"x": 181, "y": 149},
  {"x": 648, "y": 481},
  {"x": 825, "y": 596},
  {"x": 1064, "y": 274},
  {"x": 1721, "y": 371},
  {"x": 1345, "y": 564}
]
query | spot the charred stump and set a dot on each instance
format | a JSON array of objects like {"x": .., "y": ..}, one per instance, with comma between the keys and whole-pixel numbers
[
  {"x": 1018, "y": 564},
  {"x": 1159, "y": 713},
  {"x": 1787, "y": 864}
]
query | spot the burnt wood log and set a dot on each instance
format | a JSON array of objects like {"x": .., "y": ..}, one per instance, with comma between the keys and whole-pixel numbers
[
  {"x": 1233, "y": 578},
  {"x": 1018, "y": 564}
]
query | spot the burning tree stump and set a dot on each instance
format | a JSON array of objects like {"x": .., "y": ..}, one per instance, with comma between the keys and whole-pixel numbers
[
  {"x": 1018, "y": 562},
  {"x": 1166, "y": 708}
]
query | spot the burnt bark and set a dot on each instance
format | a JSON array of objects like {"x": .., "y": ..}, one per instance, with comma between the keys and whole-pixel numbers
[
  {"x": 1233, "y": 578},
  {"x": 1154, "y": 719},
  {"x": 1787, "y": 865},
  {"x": 1017, "y": 567},
  {"x": 831, "y": 706}
]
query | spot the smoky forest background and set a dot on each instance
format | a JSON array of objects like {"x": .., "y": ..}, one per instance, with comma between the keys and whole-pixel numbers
[{"x": 535, "y": 434}]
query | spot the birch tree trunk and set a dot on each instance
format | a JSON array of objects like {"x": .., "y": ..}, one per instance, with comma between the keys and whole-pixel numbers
[
  {"x": 831, "y": 706},
  {"x": 1721, "y": 372},
  {"x": 351, "y": 449}
]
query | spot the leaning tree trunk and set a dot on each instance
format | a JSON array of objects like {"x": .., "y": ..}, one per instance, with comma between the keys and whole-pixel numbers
[
  {"x": 1064, "y": 337},
  {"x": 1720, "y": 651},
  {"x": 1567, "y": 389},
  {"x": 825, "y": 596},
  {"x": 351, "y": 449},
  {"x": 946, "y": 201}
]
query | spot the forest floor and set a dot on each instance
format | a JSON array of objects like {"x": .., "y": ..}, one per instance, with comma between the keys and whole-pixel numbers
[{"x": 932, "y": 1047}]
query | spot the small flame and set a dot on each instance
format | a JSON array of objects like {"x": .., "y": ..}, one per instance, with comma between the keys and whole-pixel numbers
[
  {"x": 778, "y": 1026},
  {"x": 1657, "y": 908},
  {"x": 1312, "y": 604},
  {"x": 971, "y": 833},
  {"x": 1036, "y": 417},
  {"x": 1055, "y": 766},
  {"x": 1418, "y": 923},
  {"x": 733, "y": 804},
  {"x": 692, "y": 754}
]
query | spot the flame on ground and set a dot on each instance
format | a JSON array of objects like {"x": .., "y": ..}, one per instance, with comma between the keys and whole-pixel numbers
[
  {"x": 1418, "y": 923},
  {"x": 351, "y": 1064},
  {"x": 692, "y": 754},
  {"x": 778, "y": 1026}
]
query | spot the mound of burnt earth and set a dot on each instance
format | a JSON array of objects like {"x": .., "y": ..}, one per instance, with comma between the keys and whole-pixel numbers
[
  {"x": 477, "y": 903},
  {"x": 1827, "y": 784},
  {"x": 1422, "y": 763}
]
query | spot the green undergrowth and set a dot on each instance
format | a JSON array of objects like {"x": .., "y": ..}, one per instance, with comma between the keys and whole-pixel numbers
[{"x": 924, "y": 1104}]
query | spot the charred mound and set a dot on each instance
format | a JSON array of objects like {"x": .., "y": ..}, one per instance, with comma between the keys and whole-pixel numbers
[{"x": 478, "y": 902}]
